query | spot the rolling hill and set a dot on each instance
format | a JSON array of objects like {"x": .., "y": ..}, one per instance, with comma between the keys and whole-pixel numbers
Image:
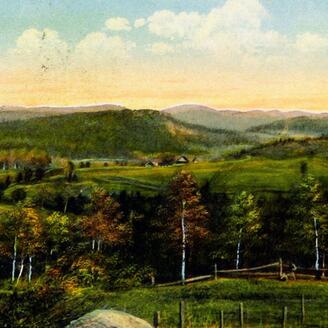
[
  {"x": 230, "y": 119},
  {"x": 287, "y": 148},
  {"x": 124, "y": 133},
  {"x": 309, "y": 126}
]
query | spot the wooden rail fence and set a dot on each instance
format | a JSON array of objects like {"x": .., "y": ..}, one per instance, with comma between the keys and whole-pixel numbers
[{"x": 276, "y": 270}]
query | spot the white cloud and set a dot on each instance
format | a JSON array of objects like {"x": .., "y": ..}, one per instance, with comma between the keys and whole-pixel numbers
[
  {"x": 310, "y": 42},
  {"x": 168, "y": 24},
  {"x": 140, "y": 22},
  {"x": 99, "y": 49},
  {"x": 233, "y": 29},
  {"x": 161, "y": 48},
  {"x": 44, "y": 51},
  {"x": 118, "y": 24},
  {"x": 39, "y": 49}
]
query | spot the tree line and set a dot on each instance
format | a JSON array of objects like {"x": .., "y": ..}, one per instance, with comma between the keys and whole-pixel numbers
[{"x": 117, "y": 240}]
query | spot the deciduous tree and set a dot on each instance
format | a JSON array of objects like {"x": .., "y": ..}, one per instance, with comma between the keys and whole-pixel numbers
[{"x": 187, "y": 216}]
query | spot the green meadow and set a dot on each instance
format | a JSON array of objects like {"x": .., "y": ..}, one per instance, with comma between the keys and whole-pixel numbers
[
  {"x": 263, "y": 302},
  {"x": 250, "y": 174}
]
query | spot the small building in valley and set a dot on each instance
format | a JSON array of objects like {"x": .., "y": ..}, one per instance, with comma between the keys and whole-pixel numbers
[{"x": 182, "y": 160}]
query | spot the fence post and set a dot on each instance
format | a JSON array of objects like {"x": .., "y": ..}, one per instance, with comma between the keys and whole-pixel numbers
[
  {"x": 303, "y": 309},
  {"x": 157, "y": 319},
  {"x": 182, "y": 314},
  {"x": 284, "y": 317},
  {"x": 241, "y": 315},
  {"x": 221, "y": 319},
  {"x": 153, "y": 280},
  {"x": 215, "y": 271}
]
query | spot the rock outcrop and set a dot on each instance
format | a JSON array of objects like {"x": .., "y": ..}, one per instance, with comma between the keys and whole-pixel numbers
[{"x": 108, "y": 319}]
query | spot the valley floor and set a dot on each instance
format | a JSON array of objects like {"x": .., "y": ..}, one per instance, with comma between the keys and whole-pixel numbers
[{"x": 230, "y": 176}]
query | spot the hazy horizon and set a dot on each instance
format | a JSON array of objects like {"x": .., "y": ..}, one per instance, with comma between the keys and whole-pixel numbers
[{"x": 81, "y": 106}]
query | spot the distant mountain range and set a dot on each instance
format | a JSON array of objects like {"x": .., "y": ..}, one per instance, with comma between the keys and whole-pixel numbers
[
  {"x": 12, "y": 113},
  {"x": 227, "y": 119},
  {"x": 233, "y": 119},
  {"x": 114, "y": 131}
]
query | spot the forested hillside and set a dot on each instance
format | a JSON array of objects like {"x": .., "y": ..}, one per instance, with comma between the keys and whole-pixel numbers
[
  {"x": 123, "y": 133},
  {"x": 287, "y": 148},
  {"x": 310, "y": 126}
]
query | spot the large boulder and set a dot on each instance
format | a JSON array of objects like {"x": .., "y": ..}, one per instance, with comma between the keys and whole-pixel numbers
[{"x": 108, "y": 319}]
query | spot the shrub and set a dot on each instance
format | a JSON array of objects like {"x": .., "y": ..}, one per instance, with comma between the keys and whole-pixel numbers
[{"x": 18, "y": 194}]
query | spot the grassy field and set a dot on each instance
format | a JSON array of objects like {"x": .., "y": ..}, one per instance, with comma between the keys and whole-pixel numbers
[
  {"x": 251, "y": 174},
  {"x": 254, "y": 174},
  {"x": 263, "y": 302}
]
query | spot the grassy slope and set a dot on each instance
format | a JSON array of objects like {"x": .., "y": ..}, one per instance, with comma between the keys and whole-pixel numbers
[
  {"x": 113, "y": 134},
  {"x": 263, "y": 302},
  {"x": 231, "y": 176},
  {"x": 252, "y": 174}
]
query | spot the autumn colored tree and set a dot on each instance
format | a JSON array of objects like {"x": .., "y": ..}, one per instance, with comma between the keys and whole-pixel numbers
[
  {"x": 187, "y": 217},
  {"x": 21, "y": 158},
  {"x": 57, "y": 231},
  {"x": 104, "y": 224},
  {"x": 21, "y": 231}
]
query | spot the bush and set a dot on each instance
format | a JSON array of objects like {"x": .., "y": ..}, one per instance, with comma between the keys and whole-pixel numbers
[
  {"x": 26, "y": 308},
  {"x": 18, "y": 194}
]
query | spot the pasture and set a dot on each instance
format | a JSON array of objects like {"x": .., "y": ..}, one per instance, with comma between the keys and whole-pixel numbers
[
  {"x": 263, "y": 302},
  {"x": 251, "y": 174}
]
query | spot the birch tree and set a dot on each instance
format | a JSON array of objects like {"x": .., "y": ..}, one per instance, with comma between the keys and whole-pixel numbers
[
  {"x": 244, "y": 221},
  {"x": 187, "y": 217},
  {"x": 307, "y": 221},
  {"x": 21, "y": 231},
  {"x": 104, "y": 224}
]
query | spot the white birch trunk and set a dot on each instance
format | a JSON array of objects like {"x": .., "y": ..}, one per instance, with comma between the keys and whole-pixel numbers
[
  {"x": 30, "y": 269},
  {"x": 99, "y": 245},
  {"x": 323, "y": 264},
  {"x": 93, "y": 244},
  {"x": 183, "y": 260},
  {"x": 21, "y": 270},
  {"x": 66, "y": 205},
  {"x": 317, "y": 255},
  {"x": 13, "y": 271},
  {"x": 238, "y": 249}
]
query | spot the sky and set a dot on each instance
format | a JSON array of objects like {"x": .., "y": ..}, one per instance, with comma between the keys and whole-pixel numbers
[{"x": 158, "y": 53}]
